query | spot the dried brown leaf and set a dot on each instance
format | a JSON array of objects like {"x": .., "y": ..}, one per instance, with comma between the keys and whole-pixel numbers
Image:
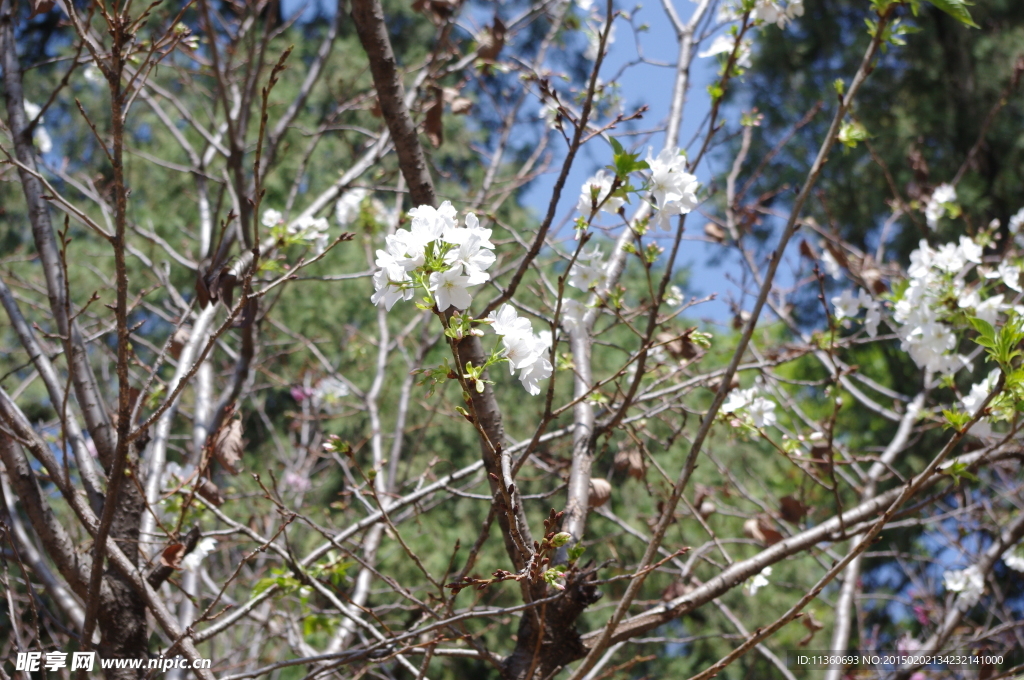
[
  {"x": 792, "y": 509},
  {"x": 630, "y": 461},
  {"x": 433, "y": 123},
  {"x": 172, "y": 554},
  {"x": 210, "y": 493},
  {"x": 228, "y": 445}
]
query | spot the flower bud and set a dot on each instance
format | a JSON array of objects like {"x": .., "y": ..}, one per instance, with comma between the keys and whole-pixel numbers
[{"x": 560, "y": 539}]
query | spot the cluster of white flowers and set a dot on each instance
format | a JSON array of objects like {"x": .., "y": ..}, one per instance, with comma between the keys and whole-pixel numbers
[
  {"x": 347, "y": 208},
  {"x": 936, "y": 276},
  {"x": 757, "y": 581},
  {"x": 594, "y": 191},
  {"x": 768, "y": 11},
  {"x": 1015, "y": 224},
  {"x": 312, "y": 230},
  {"x": 673, "y": 189},
  {"x": 724, "y": 44},
  {"x": 849, "y": 305},
  {"x": 452, "y": 258},
  {"x": 747, "y": 403},
  {"x": 587, "y": 270},
  {"x": 1014, "y": 558},
  {"x": 39, "y": 135},
  {"x": 524, "y": 350},
  {"x": 938, "y": 204},
  {"x": 969, "y": 583},
  {"x": 328, "y": 393}
]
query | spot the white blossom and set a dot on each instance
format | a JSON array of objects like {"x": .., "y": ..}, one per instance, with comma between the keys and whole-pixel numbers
[
  {"x": 524, "y": 351},
  {"x": 389, "y": 284},
  {"x": 594, "y": 32},
  {"x": 506, "y": 321},
  {"x": 987, "y": 310},
  {"x": 313, "y": 230},
  {"x": 271, "y": 218},
  {"x": 347, "y": 209},
  {"x": 724, "y": 44},
  {"x": 192, "y": 561},
  {"x": 674, "y": 296},
  {"x": 531, "y": 376},
  {"x": 450, "y": 289},
  {"x": 762, "y": 412},
  {"x": 758, "y": 581},
  {"x": 572, "y": 314},
  {"x": 1010, "y": 273},
  {"x": 588, "y": 269},
  {"x": 603, "y": 181},
  {"x": 970, "y": 250},
  {"x": 873, "y": 316},
  {"x": 847, "y": 305},
  {"x": 738, "y": 399},
  {"x": 831, "y": 266},
  {"x": 92, "y": 74},
  {"x": 1014, "y": 559},
  {"x": 1015, "y": 224},
  {"x": 936, "y": 206},
  {"x": 549, "y": 114},
  {"x": 521, "y": 350},
  {"x": 329, "y": 392},
  {"x": 969, "y": 583},
  {"x": 973, "y": 400},
  {"x": 672, "y": 188},
  {"x": 467, "y": 254},
  {"x": 949, "y": 258}
]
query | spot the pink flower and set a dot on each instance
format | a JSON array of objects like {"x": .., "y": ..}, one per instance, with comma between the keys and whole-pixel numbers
[
  {"x": 300, "y": 393},
  {"x": 297, "y": 482}
]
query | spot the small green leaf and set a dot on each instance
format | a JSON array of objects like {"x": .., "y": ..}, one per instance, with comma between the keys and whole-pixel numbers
[
  {"x": 956, "y": 9},
  {"x": 956, "y": 420},
  {"x": 958, "y": 471}
]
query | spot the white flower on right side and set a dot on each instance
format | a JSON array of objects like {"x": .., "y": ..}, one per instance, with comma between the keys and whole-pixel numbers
[
  {"x": 969, "y": 583},
  {"x": 1014, "y": 558},
  {"x": 192, "y": 561},
  {"x": 758, "y": 581}
]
